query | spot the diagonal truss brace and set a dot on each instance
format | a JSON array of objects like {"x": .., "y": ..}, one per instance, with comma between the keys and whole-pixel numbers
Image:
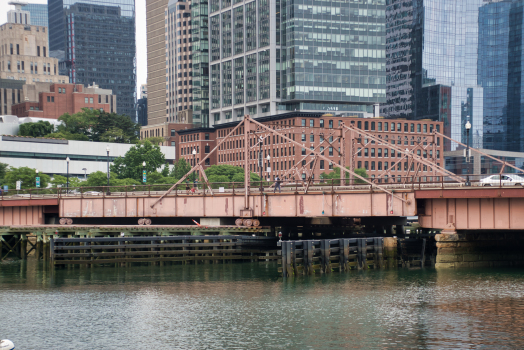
[
  {"x": 413, "y": 156},
  {"x": 328, "y": 160}
]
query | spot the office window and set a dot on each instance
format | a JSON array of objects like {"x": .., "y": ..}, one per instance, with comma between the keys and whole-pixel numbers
[
  {"x": 321, "y": 123},
  {"x": 331, "y": 124},
  {"x": 311, "y": 123},
  {"x": 311, "y": 138},
  {"x": 86, "y": 100}
]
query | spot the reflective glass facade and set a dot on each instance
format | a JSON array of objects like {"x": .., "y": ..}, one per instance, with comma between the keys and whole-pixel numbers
[
  {"x": 38, "y": 14},
  {"x": 334, "y": 51},
  {"x": 330, "y": 52},
  {"x": 200, "y": 65},
  {"x": 98, "y": 38},
  {"x": 493, "y": 71},
  {"x": 516, "y": 77},
  {"x": 456, "y": 61}
]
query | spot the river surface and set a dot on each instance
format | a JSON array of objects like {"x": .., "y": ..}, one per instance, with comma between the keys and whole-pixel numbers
[{"x": 249, "y": 306}]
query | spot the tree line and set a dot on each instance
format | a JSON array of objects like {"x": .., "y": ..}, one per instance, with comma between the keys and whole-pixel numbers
[{"x": 87, "y": 125}]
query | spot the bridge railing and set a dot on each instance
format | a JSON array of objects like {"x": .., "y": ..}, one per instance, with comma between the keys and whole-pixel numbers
[{"x": 286, "y": 186}]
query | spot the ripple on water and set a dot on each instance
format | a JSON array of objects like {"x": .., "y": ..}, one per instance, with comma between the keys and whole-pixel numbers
[{"x": 247, "y": 306}]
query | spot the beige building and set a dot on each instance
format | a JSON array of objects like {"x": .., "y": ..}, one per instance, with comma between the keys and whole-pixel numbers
[
  {"x": 24, "y": 51},
  {"x": 156, "y": 61},
  {"x": 179, "y": 100},
  {"x": 24, "y": 58}
]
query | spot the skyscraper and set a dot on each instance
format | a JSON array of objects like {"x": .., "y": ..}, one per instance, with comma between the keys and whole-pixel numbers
[
  {"x": 272, "y": 56},
  {"x": 38, "y": 14},
  {"x": 156, "y": 11},
  {"x": 456, "y": 61},
  {"x": 178, "y": 55},
  {"x": 493, "y": 71},
  {"x": 98, "y": 39},
  {"x": 200, "y": 61},
  {"x": 516, "y": 77}
]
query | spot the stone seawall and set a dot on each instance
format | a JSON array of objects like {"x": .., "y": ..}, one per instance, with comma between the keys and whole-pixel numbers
[{"x": 493, "y": 249}]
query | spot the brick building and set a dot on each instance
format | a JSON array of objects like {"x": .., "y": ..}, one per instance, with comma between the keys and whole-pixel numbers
[
  {"x": 53, "y": 100},
  {"x": 312, "y": 129},
  {"x": 202, "y": 140}
]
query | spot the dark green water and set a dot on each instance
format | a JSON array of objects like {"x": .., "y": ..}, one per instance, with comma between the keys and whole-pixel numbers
[{"x": 248, "y": 306}]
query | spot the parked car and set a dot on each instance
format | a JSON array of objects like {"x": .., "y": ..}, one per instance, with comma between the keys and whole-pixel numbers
[
  {"x": 92, "y": 193},
  {"x": 496, "y": 180}
]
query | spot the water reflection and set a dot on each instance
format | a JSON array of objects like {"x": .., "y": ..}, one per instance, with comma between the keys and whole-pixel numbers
[{"x": 248, "y": 306}]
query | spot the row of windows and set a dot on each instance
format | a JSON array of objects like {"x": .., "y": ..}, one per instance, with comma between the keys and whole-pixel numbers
[
  {"x": 20, "y": 67},
  {"x": 379, "y": 126},
  {"x": 17, "y": 47},
  {"x": 193, "y": 137}
]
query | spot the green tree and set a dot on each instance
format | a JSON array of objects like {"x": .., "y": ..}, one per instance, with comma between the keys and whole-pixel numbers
[
  {"x": 335, "y": 175},
  {"x": 61, "y": 181},
  {"x": 38, "y": 129},
  {"x": 79, "y": 123},
  {"x": 3, "y": 170},
  {"x": 27, "y": 176},
  {"x": 219, "y": 181},
  {"x": 227, "y": 170},
  {"x": 130, "y": 166},
  {"x": 180, "y": 169},
  {"x": 106, "y": 128},
  {"x": 155, "y": 140}
]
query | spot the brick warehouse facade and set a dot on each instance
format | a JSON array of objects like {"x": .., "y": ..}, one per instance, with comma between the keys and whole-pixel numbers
[{"x": 311, "y": 129}]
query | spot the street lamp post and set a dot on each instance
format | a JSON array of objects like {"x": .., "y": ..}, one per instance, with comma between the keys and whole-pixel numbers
[
  {"x": 194, "y": 163},
  {"x": 85, "y": 173},
  {"x": 144, "y": 177},
  {"x": 67, "y": 181},
  {"x": 468, "y": 126},
  {"x": 108, "y": 191},
  {"x": 37, "y": 181},
  {"x": 260, "y": 163}
]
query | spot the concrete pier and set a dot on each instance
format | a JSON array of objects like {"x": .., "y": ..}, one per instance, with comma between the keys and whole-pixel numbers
[{"x": 493, "y": 249}]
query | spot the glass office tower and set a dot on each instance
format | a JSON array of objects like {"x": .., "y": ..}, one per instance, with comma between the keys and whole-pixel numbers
[
  {"x": 493, "y": 72},
  {"x": 273, "y": 56},
  {"x": 516, "y": 77},
  {"x": 38, "y": 14},
  {"x": 455, "y": 61},
  {"x": 98, "y": 38},
  {"x": 432, "y": 64}
]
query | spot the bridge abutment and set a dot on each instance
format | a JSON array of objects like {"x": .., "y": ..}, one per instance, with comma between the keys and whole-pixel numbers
[{"x": 479, "y": 249}]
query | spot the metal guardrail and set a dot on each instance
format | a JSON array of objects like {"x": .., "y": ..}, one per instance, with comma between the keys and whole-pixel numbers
[{"x": 287, "y": 186}]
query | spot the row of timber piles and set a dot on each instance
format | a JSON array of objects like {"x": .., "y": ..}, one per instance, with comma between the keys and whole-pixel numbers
[
  {"x": 160, "y": 250},
  {"x": 308, "y": 257},
  {"x": 127, "y": 245},
  {"x": 20, "y": 246}
]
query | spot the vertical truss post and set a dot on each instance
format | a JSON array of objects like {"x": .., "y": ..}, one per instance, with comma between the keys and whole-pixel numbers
[
  {"x": 247, "y": 129},
  {"x": 342, "y": 153},
  {"x": 351, "y": 154}
]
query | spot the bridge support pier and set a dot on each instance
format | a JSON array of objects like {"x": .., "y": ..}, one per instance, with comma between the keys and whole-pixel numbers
[{"x": 479, "y": 249}]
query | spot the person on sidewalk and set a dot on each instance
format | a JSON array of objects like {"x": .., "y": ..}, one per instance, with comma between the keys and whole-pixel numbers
[{"x": 277, "y": 185}]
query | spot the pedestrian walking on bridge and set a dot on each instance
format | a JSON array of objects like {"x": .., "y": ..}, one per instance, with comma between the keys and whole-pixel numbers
[{"x": 277, "y": 185}]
